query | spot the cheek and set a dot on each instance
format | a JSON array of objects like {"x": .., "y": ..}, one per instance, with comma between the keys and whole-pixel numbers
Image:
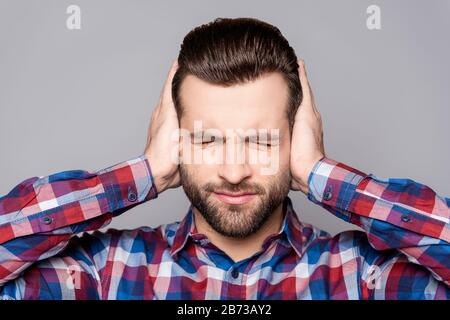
[
  {"x": 285, "y": 155},
  {"x": 202, "y": 173},
  {"x": 273, "y": 182},
  {"x": 196, "y": 154},
  {"x": 271, "y": 161}
]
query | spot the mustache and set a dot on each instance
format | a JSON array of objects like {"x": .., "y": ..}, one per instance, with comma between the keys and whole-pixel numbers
[{"x": 235, "y": 188}]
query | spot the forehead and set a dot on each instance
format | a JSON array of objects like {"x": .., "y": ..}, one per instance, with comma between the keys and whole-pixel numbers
[{"x": 260, "y": 103}]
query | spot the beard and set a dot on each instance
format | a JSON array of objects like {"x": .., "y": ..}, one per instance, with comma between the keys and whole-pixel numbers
[{"x": 236, "y": 220}]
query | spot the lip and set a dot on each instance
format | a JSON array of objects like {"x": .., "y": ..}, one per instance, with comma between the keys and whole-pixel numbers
[{"x": 240, "y": 198}]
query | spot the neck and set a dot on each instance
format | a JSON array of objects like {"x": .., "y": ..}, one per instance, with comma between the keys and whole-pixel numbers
[{"x": 236, "y": 248}]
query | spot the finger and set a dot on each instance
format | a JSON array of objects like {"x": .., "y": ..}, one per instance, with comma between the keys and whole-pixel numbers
[
  {"x": 306, "y": 89},
  {"x": 167, "y": 90}
]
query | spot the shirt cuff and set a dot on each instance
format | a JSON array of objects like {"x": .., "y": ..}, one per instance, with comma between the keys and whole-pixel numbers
[
  {"x": 128, "y": 183},
  {"x": 333, "y": 183},
  {"x": 74, "y": 197},
  {"x": 352, "y": 195}
]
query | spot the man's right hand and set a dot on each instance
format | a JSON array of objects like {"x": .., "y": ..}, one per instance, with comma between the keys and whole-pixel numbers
[{"x": 160, "y": 145}]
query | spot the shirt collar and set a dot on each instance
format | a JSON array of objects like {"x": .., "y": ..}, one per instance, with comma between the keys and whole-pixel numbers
[{"x": 291, "y": 228}]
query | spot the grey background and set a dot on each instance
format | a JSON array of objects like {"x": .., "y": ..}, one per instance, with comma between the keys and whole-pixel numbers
[{"x": 82, "y": 99}]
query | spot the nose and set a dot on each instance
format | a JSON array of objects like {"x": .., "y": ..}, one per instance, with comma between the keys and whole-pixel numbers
[
  {"x": 235, "y": 167},
  {"x": 234, "y": 173}
]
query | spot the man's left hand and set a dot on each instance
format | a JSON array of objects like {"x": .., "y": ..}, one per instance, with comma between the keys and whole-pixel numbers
[{"x": 307, "y": 136}]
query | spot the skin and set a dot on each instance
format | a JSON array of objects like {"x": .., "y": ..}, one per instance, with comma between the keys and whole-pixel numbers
[{"x": 259, "y": 104}]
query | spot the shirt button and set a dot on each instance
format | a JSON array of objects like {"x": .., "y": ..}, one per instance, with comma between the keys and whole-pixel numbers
[
  {"x": 235, "y": 273},
  {"x": 47, "y": 220},
  {"x": 132, "y": 196},
  {"x": 327, "y": 196},
  {"x": 406, "y": 218}
]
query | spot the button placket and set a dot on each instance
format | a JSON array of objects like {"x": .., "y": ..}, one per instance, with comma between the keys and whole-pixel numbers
[{"x": 234, "y": 273}]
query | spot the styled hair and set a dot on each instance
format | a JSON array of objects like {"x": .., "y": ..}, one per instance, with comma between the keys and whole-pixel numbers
[{"x": 234, "y": 51}]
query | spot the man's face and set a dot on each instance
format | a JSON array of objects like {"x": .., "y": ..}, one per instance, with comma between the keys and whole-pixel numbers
[{"x": 238, "y": 156}]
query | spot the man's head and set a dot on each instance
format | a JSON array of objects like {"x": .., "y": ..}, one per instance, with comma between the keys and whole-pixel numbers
[
  {"x": 236, "y": 75},
  {"x": 229, "y": 52}
]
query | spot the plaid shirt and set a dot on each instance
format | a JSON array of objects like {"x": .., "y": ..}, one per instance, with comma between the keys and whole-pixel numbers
[{"x": 404, "y": 252}]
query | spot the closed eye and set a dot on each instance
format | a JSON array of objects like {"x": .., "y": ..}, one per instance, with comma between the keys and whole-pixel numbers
[
  {"x": 261, "y": 142},
  {"x": 205, "y": 141},
  {"x": 208, "y": 141}
]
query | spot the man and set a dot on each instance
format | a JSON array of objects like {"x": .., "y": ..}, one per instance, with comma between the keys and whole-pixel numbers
[{"x": 241, "y": 238}]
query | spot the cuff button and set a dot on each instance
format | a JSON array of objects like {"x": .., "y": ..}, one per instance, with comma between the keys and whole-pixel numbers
[
  {"x": 327, "y": 196},
  {"x": 47, "y": 220},
  {"x": 406, "y": 218},
  {"x": 132, "y": 196}
]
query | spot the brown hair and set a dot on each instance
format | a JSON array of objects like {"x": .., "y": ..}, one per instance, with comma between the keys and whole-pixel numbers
[{"x": 234, "y": 51}]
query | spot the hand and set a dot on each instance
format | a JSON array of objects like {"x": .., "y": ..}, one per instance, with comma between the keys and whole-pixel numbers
[
  {"x": 307, "y": 136},
  {"x": 160, "y": 145}
]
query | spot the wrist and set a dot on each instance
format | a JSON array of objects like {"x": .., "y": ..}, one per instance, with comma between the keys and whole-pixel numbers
[
  {"x": 304, "y": 173},
  {"x": 158, "y": 171},
  {"x": 154, "y": 173}
]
